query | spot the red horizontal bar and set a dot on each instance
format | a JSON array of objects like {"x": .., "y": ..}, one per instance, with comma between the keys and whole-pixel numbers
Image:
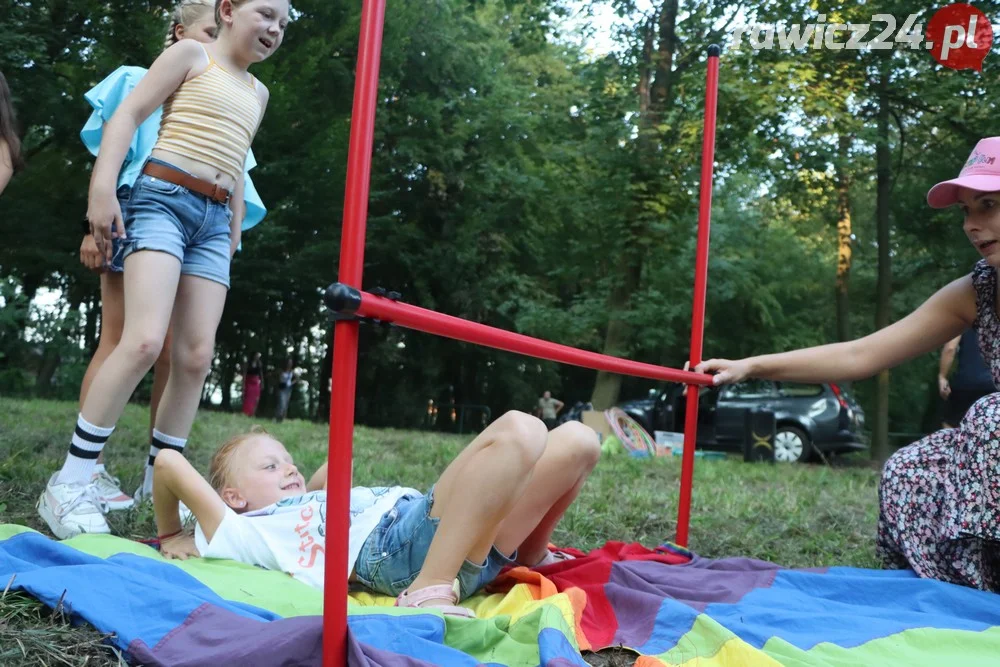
[{"x": 431, "y": 322}]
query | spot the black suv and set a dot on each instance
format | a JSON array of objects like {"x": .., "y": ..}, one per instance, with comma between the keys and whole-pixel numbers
[{"x": 810, "y": 417}]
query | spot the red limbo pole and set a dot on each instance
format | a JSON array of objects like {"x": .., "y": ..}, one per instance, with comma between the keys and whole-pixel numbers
[
  {"x": 700, "y": 286},
  {"x": 345, "y": 343},
  {"x": 342, "y": 299}
]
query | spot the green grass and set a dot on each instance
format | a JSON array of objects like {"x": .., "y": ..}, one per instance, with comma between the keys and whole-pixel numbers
[{"x": 798, "y": 516}]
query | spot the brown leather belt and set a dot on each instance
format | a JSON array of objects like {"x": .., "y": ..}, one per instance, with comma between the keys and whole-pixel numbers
[{"x": 171, "y": 175}]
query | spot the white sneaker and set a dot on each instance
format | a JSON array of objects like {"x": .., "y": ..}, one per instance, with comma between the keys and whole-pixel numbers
[
  {"x": 110, "y": 492},
  {"x": 71, "y": 509},
  {"x": 187, "y": 516}
]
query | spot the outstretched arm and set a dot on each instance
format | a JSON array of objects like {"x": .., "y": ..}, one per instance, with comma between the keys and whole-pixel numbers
[
  {"x": 942, "y": 317},
  {"x": 175, "y": 480}
]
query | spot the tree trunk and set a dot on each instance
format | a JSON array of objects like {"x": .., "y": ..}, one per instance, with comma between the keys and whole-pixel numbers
[
  {"x": 309, "y": 364},
  {"x": 844, "y": 242},
  {"x": 661, "y": 90},
  {"x": 880, "y": 435},
  {"x": 325, "y": 370},
  {"x": 52, "y": 357},
  {"x": 608, "y": 385},
  {"x": 47, "y": 369},
  {"x": 90, "y": 337},
  {"x": 230, "y": 364},
  {"x": 29, "y": 288},
  {"x": 656, "y": 79}
]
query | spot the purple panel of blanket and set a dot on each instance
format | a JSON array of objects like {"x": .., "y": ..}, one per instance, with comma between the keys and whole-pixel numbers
[
  {"x": 637, "y": 589},
  {"x": 217, "y": 637}
]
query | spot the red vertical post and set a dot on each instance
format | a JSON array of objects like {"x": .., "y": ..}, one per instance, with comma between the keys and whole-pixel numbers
[
  {"x": 700, "y": 288},
  {"x": 345, "y": 342}
]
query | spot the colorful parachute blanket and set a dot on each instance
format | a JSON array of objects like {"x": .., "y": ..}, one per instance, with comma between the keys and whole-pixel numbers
[{"x": 668, "y": 606}]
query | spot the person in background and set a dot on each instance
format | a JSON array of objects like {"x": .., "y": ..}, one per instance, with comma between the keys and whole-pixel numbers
[
  {"x": 10, "y": 142},
  {"x": 286, "y": 382},
  {"x": 252, "y": 376},
  {"x": 972, "y": 379},
  {"x": 549, "y": 408}
]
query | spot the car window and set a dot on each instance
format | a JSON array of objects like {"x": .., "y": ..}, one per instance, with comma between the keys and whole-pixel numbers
[
  {"x": 749, "y": 389},
  {"x": 800, "y": 389}
]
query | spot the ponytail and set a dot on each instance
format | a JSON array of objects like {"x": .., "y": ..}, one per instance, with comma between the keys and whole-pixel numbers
[
  {"x": 185, "y": 13},
  {"x": 171, "y": 32}
]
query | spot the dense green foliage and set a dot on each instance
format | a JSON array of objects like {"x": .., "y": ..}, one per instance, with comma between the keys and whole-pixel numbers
[{"x": 521, "y": 181}]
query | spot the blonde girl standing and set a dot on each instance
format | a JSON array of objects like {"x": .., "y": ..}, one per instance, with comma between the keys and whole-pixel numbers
[{"x": 178, "y": 234}]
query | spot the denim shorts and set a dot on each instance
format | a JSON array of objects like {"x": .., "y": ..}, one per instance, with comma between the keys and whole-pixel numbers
[
  {"x": 170, "y": 218},
  {"x": 117, "y": 264},
  {"x": 392, "y": 556}
]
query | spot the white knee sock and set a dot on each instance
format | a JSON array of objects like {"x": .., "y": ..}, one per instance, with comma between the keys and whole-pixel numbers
[
  {"x": 86, "y": 445},
  {"x": 160, "y": 441}
]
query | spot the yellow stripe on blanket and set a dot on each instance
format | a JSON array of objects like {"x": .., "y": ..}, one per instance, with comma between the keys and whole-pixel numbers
[
  {"x": 709, "y": 644},
  {"x": 517, "y": 603}
]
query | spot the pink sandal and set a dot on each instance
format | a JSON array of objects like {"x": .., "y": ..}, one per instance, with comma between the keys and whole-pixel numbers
[
  {"x": 417, "y": 600},
  {"x": 552, "y": 557}
]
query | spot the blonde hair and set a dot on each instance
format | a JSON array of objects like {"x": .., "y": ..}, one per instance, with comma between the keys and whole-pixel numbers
[
  {"x": 185, "y": 13},
  {"x": 220, "y": 469},
  {"x": 218, "y": 10}
]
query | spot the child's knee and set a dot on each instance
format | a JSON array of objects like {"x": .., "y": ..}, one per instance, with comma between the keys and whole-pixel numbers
[
  {"x": 144, "y": 349},
  {"x": 580, "y": 443},
  {"x": 193, "y": 359},
  {"x": 524, "y": 432}
]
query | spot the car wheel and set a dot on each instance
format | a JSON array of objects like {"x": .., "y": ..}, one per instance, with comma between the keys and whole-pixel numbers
[{"x": 791, "y": 445}]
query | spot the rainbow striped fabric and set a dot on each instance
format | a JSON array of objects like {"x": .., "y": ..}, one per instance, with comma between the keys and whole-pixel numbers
[{"x": 668, "y": 606}]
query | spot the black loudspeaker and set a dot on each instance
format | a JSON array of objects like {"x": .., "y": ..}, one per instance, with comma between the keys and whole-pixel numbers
[{"x": 758, "y": 436}]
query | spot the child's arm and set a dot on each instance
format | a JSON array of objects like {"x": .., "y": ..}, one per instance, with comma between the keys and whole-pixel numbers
[
  {"x": 946, "y": 314},
  {"x": 236, "y": 201},
  {"x": 318, "y": 481},
  {"x": 90, "y": 256},
  {"x": 239, "y": 209},
  {"x": 175, "y": 480},
  {"x": 165, "y": 75}
]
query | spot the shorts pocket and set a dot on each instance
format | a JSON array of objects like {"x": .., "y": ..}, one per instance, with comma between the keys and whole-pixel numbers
[
  {"x": 158, "y": 185},
  {"x": 409, "y": 561},
  {"x": 383, "y": 543},
  {"x": 399, "y": 585}
]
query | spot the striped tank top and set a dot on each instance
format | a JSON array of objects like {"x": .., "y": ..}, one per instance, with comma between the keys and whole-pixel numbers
[{"x": 211, "y": 118}]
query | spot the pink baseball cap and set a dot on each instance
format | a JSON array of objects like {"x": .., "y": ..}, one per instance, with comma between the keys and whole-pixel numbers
[{"x": 981, "y": 173}]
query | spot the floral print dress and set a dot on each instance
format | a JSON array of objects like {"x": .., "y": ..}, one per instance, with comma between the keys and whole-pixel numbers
[{"x": 939, "y": 499}]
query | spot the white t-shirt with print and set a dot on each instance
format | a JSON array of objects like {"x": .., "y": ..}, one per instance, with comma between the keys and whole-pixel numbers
[{"x": 290, "y": 535}]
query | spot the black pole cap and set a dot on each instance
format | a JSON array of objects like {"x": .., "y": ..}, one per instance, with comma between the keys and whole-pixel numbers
[
  {"x": 341, "y": 298},
  {"x": 714, "y": 50}
]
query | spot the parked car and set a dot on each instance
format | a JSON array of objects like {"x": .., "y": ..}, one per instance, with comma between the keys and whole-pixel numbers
[{"x": 809, "y": 417}]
